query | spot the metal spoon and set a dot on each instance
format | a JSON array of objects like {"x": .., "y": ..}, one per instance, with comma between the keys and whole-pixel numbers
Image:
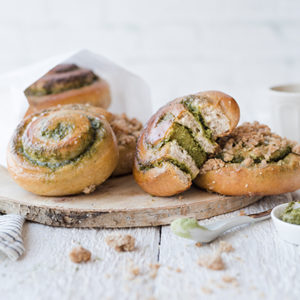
[{"x": 189, "y": 227}]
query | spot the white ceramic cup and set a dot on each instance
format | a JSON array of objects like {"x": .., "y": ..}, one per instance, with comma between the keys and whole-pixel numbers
[{"x": 284, "y": 103}]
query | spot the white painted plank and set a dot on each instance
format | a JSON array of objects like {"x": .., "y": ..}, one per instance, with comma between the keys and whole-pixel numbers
[
  {"x": 264, "y": 266},
  {"x": 46, "y": 272}
]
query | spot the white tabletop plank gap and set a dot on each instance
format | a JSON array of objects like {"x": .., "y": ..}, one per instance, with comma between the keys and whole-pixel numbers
[
  {"x": 47, "y": 269},
  {"x": 264, "y": 266}
]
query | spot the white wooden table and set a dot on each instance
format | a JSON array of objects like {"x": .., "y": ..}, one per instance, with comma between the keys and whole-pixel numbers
[
  {"x": 179, "y": 47},
  {"x": 264, "y": 266}
]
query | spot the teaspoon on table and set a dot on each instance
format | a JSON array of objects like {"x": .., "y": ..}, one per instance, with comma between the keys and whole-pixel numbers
[{"x": 189, "y": 227}]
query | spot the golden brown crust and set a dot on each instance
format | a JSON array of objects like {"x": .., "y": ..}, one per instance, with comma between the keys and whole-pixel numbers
[
  {"x": 96, "y": 94},
  {"x": 127, "y": 132},
  {"x": 252, "y": 160},
  {"x": 51, "y": 165},
  {"x": 275, "y": 178},
  {"x": 164, "y": 182},
  {"x": 167, "y": 181},
  {"x": 227, "y": 104}
]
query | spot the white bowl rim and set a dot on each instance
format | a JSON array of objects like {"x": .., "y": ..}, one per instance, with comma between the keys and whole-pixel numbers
[
  {"x": 276, "y": 89},
  {"x": 273, "y": 216}
]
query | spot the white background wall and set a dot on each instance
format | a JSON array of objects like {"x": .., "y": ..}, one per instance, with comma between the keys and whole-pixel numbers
[{"x": 179, "y": 47}]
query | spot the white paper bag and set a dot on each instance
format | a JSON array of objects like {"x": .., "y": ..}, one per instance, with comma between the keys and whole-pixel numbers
[{"x": 130, "y": 94}]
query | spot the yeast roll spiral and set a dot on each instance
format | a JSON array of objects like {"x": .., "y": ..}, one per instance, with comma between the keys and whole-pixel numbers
[
  {"x": 179, "y": 138},
  {"x": 63, "y": 150}
]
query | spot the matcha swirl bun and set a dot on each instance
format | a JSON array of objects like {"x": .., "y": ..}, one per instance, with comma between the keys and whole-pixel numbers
[
  {"x": 252, "y": 161},
  {"x": 67, "y": 84},
  {"x": 179, "y": 138},
  {"x": 62, "y": 151}
]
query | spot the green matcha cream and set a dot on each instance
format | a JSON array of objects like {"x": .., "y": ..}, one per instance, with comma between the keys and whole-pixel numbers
[
  {"x": 182, "y": 227},
  {"x": 292, "y": 214}
]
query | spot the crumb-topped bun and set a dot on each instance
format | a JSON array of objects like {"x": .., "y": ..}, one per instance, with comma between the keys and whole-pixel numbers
[
  {"x": 67, "y": 84},
  {"x": 127, "y": 132},
  {"x": 62, "y": 151},
  {"x": 252, "y": 161},
  {"x": 179, "y": 138}
]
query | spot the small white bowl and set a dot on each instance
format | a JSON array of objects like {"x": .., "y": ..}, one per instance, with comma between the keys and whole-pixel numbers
[{"x": 287, "y": 231}]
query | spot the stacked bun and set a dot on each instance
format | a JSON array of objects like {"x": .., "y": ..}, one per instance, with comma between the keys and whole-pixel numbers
[
  {"x": 179, "y": 138},
  {"x": 68, "y": 84},
  {"x": 68, "y": 143}
]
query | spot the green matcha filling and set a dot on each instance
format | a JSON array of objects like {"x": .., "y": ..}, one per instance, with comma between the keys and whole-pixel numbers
[
  {"x": 278, "y": 155},
  {"x": 183, "y": 227},
  {"x": 53, "y": 160},
  {"x": 185, "y": 139},
  {"x": 158, "y": 163},
  {"x": 56, "y": 86},
  {"x": 165, "y": 117},
  {"x": 291, "y": 214},
  {"x": 195, "y": 111},
  {"x": 59, "y": 132}
]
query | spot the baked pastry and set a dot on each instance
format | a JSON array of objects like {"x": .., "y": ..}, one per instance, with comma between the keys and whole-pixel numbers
[
  {"x": 179, "y": 138},
  {"x": 67, "y": 84},
  {"x": 252, "y": 161},
  {"x": 62, "y": 151},
  {"x": 127, "y": 132}
]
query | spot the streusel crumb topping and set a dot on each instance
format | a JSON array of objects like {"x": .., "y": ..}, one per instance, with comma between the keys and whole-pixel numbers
[
  {"x": 249, "y": 144},
  {"x": 126, "y": 130}
]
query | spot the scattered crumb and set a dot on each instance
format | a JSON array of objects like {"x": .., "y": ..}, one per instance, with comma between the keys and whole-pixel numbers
[
  {"x": 107, "y": 275},
  {"x": 198, "y": 244},
  {"x": 79, "y": 255},
  {"x": 154, "y": 270},
  {"x": 180, "y": 197},
  {"x": 220, "y": 286},
  {"x": 262, "y": 295},
  {"x": 89, "y": 189},
  {"x": 214, "y": 262},
  {"x": 121, "y": 243},
  {"x": 134, "y": 271},
  {"x": 238, "y": 258},
  {"x": 242, "y": 213},
  {"x": 178, "y": 270},
  {"x": 154, "y": 266},
  {"x": 206, "y": 290},
  {"x": 225, "y": 247},
  {"x": 217, "y": 284},
  {"x": 230, "y": 279}
]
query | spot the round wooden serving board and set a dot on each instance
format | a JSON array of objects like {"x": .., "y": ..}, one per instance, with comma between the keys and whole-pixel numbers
[{"x": 119, "y": 202}]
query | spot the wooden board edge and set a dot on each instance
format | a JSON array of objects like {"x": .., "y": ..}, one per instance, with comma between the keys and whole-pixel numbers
[{"x": 120, "y": 219}]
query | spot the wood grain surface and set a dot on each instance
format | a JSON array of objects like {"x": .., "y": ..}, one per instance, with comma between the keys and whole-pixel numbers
[{"x": 117, "y": 203}]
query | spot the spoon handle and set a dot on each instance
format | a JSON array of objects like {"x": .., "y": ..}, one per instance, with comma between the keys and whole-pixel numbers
[
  {"x": 261, "y": 214},
  {"x": 225, "y": 225}
]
